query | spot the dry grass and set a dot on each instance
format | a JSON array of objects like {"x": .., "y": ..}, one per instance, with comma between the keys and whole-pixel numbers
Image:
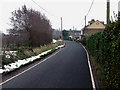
[
  {"x": 99, "y": 72},
  {"x": 37, "y": 50},
  {"x": 28, "y": 52},
  {"x": 24, "y": 52}
]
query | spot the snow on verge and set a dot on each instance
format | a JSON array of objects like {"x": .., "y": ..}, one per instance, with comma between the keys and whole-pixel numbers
[
  {"x": 19, "y": 63},
  {"x": 54, "y": 41}
]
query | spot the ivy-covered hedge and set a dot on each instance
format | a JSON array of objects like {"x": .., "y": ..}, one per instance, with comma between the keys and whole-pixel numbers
[{"x": 105, "y": 47}]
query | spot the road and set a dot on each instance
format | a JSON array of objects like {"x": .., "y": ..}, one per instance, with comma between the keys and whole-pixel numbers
[{"x": 67, "y": 69}]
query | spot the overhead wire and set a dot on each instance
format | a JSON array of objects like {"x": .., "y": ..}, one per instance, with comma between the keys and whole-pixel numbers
[
  {"x": 58, "y": 18},
  {"x": 44, "y": 9},
  {"x": 81, "y": 22},
  {"x": 87, "y": 13},
  {"x": 90, "y": 8}
]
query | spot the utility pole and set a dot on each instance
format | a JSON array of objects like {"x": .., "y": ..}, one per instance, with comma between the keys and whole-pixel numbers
[
  {"x": 108, "y": 11},
  {"x": 1, "y": 50},
  {"x": 118, "y": 8},
  {"x": 73, "y": 27},
  {"x": 84, "y": 27},
  {"x": 85, "y": 21},
  {"x": 111, "y": 19},
  {"x": 73, "y": 33},
  {"x": 61, "y": 29}
]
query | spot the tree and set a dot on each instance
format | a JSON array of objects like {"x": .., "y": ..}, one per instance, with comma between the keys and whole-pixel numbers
[
  {"x": 31, "y": 23},
  {"x": 65, "y": 34}
]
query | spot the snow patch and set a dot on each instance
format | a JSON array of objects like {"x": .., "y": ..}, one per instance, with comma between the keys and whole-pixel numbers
[
  {"x": 11, "y": 53},
  {"x": 54, "y": 41},
  {"x": 19, "y": 63},
  {"x": 60, "y": 40}
]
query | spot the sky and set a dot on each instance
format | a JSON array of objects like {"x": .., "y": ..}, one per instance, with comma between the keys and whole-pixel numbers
[{"x": 72, "y": 11}]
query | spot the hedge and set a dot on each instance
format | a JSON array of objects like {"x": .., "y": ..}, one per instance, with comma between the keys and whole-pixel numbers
[{"x": 105, "y": 47}]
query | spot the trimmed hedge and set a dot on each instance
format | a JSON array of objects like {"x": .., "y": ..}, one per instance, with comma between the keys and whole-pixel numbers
[{"x": 105, "y": 47}]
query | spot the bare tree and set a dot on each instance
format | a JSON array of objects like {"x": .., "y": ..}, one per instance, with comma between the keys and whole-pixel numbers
[{"x": 31, "y": 24}]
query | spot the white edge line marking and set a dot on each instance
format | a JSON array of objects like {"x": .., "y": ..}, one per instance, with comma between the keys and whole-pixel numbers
[
  {"x": 91, "y": 74},
  {"x": 30, "y": 68}
]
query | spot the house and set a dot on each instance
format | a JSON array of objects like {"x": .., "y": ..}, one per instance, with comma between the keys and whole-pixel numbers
[
  {"x": 75, "y": 34},
  {"x": 93, "y": 27}
]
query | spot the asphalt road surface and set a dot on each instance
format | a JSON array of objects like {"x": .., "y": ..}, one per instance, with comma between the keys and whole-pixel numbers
[{"x": 67, "y": 69}]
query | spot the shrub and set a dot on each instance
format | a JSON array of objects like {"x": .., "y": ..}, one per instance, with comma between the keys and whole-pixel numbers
[{"x": 105, "y": 47}]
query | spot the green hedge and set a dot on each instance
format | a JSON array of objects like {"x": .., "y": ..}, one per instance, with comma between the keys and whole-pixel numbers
[{"x": 105, "y": 47}]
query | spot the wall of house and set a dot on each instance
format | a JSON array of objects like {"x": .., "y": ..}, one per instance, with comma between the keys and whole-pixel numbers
[{"x": 89, "y": 33}]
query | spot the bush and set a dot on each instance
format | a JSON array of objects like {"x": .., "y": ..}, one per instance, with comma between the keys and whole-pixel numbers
[{"x": 105, "y": 47}]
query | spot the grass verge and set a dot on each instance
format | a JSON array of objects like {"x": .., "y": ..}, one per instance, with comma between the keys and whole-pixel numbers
[
  {"x": 99, "y": 73},
  {"x": 39, "y": 58}
]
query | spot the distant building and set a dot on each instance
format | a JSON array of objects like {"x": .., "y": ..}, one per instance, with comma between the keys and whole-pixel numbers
[
  {"x": 75, "y": 34},
  {"x": 93, "y": 27}
]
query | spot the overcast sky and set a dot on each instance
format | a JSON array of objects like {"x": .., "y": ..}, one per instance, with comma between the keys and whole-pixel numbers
[{"x": 72, "y": 11}]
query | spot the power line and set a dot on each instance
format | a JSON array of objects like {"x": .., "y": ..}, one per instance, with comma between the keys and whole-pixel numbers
[
  {"x": 44, "y": 9},
  {"x": 81, "y": 22},
  {"x": 90, "y": 8},
  {"x": 87, "y": 12}
]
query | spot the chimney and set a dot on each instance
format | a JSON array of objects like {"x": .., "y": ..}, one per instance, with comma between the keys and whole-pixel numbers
[{"x": 92, "y": 21}]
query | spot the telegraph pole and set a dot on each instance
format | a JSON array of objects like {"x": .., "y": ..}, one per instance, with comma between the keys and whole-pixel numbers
[
  {"x": 108, "y": 11},
  {"x": 84, "y": 27},
  {"x": 119, "y": 8},
  {"x": 85, "y": 21},
  {"x": 61, "y": 29},
  {"x": 73, "y": 28}
]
